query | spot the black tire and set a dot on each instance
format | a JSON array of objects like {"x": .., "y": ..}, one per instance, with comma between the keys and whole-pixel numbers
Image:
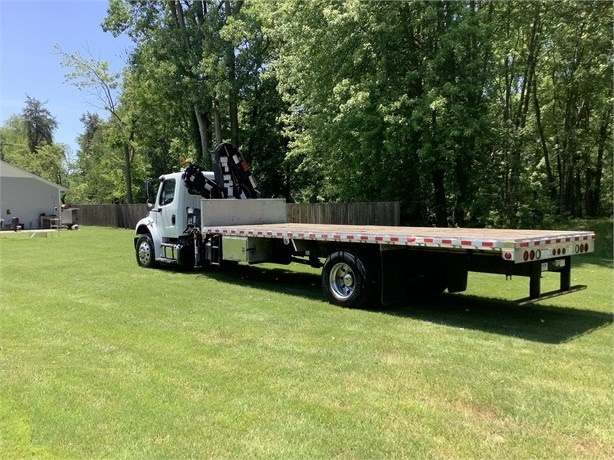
[
  {"x": 344, "y": 280},
  {"x": 145, "y": 252}
]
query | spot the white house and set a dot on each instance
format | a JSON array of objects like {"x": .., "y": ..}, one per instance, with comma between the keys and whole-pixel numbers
[{"x": 26, "y": 196}]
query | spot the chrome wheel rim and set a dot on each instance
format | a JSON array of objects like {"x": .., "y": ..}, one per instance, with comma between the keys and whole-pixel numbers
[
  {"x": 341, "y": 281},
  {"x": 144, "y": 253}
]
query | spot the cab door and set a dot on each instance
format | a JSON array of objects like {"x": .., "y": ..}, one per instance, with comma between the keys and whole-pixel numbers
[{"x": 167, "y": 209}]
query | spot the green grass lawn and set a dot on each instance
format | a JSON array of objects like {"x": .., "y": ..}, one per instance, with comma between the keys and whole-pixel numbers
[{"x": 102, "y": 359}]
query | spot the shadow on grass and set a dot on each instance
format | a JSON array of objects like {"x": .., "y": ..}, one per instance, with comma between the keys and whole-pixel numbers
[
  {"x": 285, "y": 281},
  {"x": 591, "y": 259},
  {"x": 535, "y": 322}
]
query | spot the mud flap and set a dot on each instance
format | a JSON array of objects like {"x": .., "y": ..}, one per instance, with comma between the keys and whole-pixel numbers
[
  {"x": 394, "y": 286},
  {"x": 405, "y": 274}
]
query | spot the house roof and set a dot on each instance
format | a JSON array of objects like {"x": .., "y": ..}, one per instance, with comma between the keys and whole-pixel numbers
[{"x": 9, "y": 170}]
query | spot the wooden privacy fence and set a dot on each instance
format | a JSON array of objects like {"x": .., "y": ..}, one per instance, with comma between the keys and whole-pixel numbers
[
  {"x": 382, "y": 213},
  {"x": 111, "y": 215}
]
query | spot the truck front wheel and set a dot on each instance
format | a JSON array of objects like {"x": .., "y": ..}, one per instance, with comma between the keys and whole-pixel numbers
[
  {"x": 145, "y": 254},
  {"x": 344, "y": 280}
]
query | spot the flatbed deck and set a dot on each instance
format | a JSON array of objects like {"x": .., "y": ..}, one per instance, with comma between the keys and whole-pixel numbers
[
  {"x": 361, "y": 264},
  {"x": 551, "y": 243}
]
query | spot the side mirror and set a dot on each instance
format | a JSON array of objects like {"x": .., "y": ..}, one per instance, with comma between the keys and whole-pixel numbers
[{"x": 151, "y": 194}]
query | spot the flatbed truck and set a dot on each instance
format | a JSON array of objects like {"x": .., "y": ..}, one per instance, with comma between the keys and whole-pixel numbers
[{"x": 201, "y": 219}]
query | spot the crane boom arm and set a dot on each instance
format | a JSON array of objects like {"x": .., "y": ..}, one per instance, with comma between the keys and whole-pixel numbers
[{"x": 232, "y": 176}]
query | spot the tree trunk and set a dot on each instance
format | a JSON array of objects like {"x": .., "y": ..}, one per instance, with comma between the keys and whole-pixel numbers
[
  {"x": 177, "y": 11},
  {"x": 203, "y": 130},
  {"x": 128, "y": 172},
  {"x": 440, "y": 198},
  {"x": 577, "y": 195},
  {"x": 233, "y": 107},
  {"x": 233, "y": 97},
  {"x": 605, "y": 132},
  {"x": 593, "y": 176},
  {"x": 591, "y": 199},
  {"x": 217, "y": 121},
  {"x": 544, "y": 145},
  {"x": 529, "y": 81}
]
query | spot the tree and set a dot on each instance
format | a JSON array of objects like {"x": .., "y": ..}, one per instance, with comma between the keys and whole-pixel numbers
[
  {"x": 367, "y": 127},
  {"x": 14, "y": 141},
  {"x": 552, "y": 82},
  {"x": 481, "y": 112},
  {"x": 469, "y": 113},
  {"x": 90, "y": 172},
  {"x": 91, "y": 75},
  {"x": 265, "y": 145},
  {"x": 195, "y": 78},
  {"x": 27, "y": 142},
  {"x": 450, "y": 113},
  {"x": 577, "y": 98},
  {"x": 198, "y": 59},
  {"x": 40, "y": 124},
  {"x": 50, "y": 162}
]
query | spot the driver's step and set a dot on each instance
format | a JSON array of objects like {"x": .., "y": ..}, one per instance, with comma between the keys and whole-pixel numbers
[
  {"x": 216, "y": 250},
  {"x": 167, "y": 260},
  {"x": 169, "y": 252}
]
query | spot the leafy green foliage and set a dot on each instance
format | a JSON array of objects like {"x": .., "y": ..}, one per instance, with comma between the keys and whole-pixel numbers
[
  {"x": 547, "y": 78},
  {"x": 27, "y": 142},
  {"x": 469, "y": 113},
  {"x": 383, "y": 93},
  {"x": 93, "y": 178},
  {"x": 39, "y": 122},
  {"x": 450, "y": 99},
  {"x": 91, "y": 75}
]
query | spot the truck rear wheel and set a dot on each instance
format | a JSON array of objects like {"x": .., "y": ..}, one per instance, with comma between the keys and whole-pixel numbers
[
  {"x": 344, "y": 280},
  {"x": 145, "y": 253}
]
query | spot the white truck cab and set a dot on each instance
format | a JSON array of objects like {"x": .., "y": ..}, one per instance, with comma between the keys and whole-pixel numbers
[
  {"x": 171, "y": 210},
  {"x": 169, "y": 232}
]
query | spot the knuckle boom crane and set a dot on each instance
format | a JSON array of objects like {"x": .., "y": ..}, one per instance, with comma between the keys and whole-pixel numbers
[{"x": 232, "y": 176}]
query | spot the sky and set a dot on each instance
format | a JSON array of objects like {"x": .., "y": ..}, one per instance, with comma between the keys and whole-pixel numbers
[{"x": 29, "y": 65}]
